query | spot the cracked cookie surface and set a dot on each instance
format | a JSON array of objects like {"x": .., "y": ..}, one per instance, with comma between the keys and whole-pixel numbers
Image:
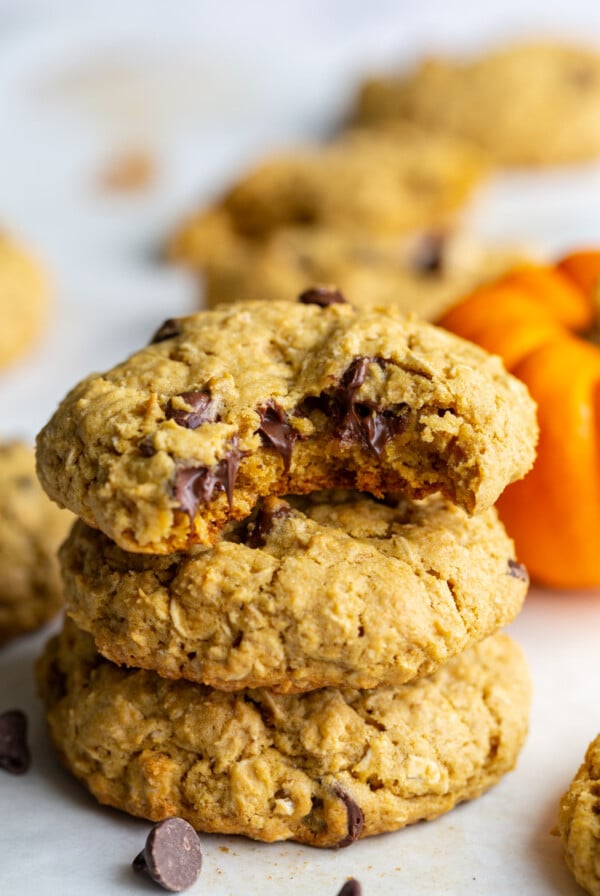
[
  {"x": 31, "y": 530},
  {"x": 328, "y": 590},
  {"x": 275, "y": 398},
  {"x": 528, "y": 104},
  {"x": 579, "y": 822},
  {"x": 323, "y": 768},
  {"x": 23, "y": 300},
  {"x": 423, "y": 273}
]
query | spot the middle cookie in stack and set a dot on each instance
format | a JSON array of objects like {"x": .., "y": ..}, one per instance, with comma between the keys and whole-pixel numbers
[{"x": 194, "y": 440}]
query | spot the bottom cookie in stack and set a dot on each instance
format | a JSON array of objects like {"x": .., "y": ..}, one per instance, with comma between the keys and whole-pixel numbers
[{"x": 323, "y": 768}]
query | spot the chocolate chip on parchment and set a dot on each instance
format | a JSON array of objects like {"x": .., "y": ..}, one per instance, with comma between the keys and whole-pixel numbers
[
  {"x": 276, "y": 432},
  {"x": 517, "y": 570},
  {"x": 202, "y": 410},
  {"x": 356, "y": 818},
  {"x": 14, "y": 752},
  {"x": 351, "y": 888},
  {"x": 322, "y": 296},
  {"x": 168, "y": 330},
  {"x": 172, "y": 855}
]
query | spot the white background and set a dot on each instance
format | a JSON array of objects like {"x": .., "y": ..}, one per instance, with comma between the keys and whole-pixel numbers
[{"x": 205, "y": 88}]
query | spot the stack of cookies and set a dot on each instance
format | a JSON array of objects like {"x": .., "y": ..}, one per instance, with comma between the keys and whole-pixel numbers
[{"x": 287, "y": 578}]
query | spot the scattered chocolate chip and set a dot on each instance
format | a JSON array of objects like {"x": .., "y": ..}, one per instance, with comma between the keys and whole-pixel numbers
[
  {"x": 276, "y": 432},
  {"x": 517, "y": 571},
  {"x": 322, "y": 296},
  {"x": 168, "y": 330},
  {"x": 351, "y": 888},
  {"x": 428, "y": 257},
  {"x": 146, "y": 446},
  {"x": 263, "y": 523},
  {"x": 172, "y": 855},
  {"x": 196, "y": 485},
  {"x": 14, "y": 752},
  {"x": 202, "y": 410},
  {"x": 356, "y": 818}
]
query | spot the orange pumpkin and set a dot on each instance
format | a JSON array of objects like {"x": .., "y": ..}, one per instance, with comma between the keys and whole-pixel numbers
[{"x": 540, "y": 319}]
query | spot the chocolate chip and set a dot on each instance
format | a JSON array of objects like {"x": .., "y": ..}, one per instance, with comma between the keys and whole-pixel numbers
[
  {"x": 202, "y": 410},
  {"x": 196, "y": 485},
  {"x": 14, "y": 752},
  {"x": 428, "y": 257},
  {"x": 365, "y": 421},
  {"x": 146, "y": 446},
  {"x": 517, "y": 571},
  {"x": 351, "y": 888},
  {"x": 355, "y": 814},
  {"x": 322, "y": 296},
  {"x": 172, "y": 855},
  {"x": 380, "y": 428},
  {"x": 263, "y": 523},
  {"x": 168, "y": 330},
  {"x": 276, "y": 432}
]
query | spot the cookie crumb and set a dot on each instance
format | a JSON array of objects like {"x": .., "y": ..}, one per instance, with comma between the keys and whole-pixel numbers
[{"x": 130, "y": 172}]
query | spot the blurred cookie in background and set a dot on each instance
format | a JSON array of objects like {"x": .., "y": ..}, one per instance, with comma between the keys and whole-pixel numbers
[
  {"x": 31, "y": 530},
  {"x": 23, "y": 300},
  {"x": 423, "y": 272},
  {"x": 532, "y": 103},
  {"x": 387, "y": 182}
]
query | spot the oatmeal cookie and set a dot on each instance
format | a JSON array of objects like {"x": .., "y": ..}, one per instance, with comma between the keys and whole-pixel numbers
[
  {"x": 31, "y": 530},
  {"x": 387, "y": 182},
  {"x": 23, "y": 300},
  {"x": 528, "y": 104},
  {"x": 579, "y": 822},
  {"x": 273, "y": 398},
  {"x": 422, "y": 273},
  {"x": 332, "y": 590},
  {"x": 323, "y": 768}
]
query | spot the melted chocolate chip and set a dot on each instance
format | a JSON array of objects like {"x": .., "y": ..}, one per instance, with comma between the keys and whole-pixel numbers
[
  {"x": 196, "y": 485},
  {"x": 355, "y": 814},
  {"x": 322, "y": 296},
  {"x": 276, "y": 432},
  {"x": 263, "y": 523},
  {"x": 429, "y": 255},
  {"x": 172, "y": 856},
  {"x": 351, "y": 888},
  {"x": 202, "y": 410},
  {"x": 168, "y": 330},
  {"x": 517, "y": 571},
  {"x": 14, "y": 752},
  {"x": 364, "y": 421}
]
